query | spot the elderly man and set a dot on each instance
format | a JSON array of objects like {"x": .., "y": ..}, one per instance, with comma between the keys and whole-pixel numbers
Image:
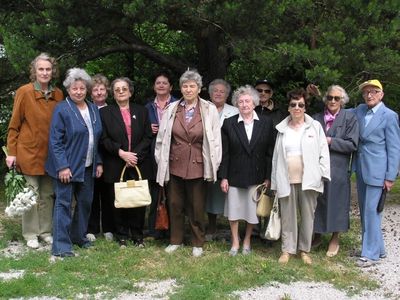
[
  {"x": 376, "y": 165},
  {"x": 267, "y": 105}
]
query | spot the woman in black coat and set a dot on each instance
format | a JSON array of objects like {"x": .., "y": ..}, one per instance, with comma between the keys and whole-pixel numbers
[
  {"x": 125, "y": 141},
  {"x": 247, "y": 145}
]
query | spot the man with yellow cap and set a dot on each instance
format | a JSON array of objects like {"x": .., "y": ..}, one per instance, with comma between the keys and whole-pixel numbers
[{"x": 376, "y": 164}]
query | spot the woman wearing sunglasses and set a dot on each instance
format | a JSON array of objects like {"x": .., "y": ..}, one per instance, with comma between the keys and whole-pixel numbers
[
  {"x": 300, "y": 165},
  {"x": 341, "y": 129}
]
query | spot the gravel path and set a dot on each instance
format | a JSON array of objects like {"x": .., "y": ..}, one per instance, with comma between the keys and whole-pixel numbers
[{"x": 386, "y": 273}]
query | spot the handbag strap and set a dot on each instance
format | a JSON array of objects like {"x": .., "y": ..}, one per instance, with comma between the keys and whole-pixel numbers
[
  {"x": 263, "y": 190},
  {"x": 161, "y": 195},
  {"x": 121, "y": 179}
]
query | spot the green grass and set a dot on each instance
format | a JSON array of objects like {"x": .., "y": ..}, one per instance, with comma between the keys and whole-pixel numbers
[{"x": 108, "y": 269}]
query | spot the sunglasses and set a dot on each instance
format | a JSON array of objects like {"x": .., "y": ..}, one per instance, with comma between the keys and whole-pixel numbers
[
  {"x": 331, "y": 98},
  {"x": 300, "y": 105},
  {"x": 266, "y": 91},
  {"x": 123, "y": 90}
]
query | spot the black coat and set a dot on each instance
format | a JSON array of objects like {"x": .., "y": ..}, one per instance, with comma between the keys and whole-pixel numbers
[
  {"x": 244, "y": 163},
  {"x": 114, "y": 137}
]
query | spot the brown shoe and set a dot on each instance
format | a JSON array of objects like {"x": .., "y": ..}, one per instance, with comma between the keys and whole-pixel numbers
[
  {"x": 284, "y": 258},
  {"x": 306, "y": 258}
]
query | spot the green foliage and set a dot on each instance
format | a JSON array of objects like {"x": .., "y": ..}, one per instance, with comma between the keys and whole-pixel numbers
[
  {"x": 14, "y": 183},
  {"x": 292, "y": 42}
]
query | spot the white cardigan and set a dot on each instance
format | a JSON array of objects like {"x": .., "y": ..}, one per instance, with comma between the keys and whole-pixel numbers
[
  {"x": 212, "y": 144},
  {"x": 316, "y": 162}
]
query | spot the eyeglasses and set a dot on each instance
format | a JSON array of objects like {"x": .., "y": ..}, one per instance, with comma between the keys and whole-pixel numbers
[
  {"x": 122, "y": 90},
  {"x": 331, "y": 98},
  {"x": 300, "y": 105},
  {"x": 372, "y": 92},
  {"x": 266, "y": 91}
]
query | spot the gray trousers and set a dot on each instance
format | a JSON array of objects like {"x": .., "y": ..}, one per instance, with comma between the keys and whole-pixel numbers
[
  {"x": 37, "y": 222},
  {"x": 297, "y": 237}
]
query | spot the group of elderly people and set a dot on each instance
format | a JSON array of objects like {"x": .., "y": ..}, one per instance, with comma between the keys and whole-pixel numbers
[{"x": 208, "y": 156}]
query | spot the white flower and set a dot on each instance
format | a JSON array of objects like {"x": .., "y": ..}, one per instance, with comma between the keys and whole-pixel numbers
[{"x": 22, "y": 202}]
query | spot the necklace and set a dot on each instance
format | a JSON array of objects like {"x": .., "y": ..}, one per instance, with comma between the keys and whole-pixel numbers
[{"x": 80, "y": 121}]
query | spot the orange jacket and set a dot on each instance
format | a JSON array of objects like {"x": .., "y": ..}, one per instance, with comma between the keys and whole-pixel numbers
[{"x": 28, "y": 131}]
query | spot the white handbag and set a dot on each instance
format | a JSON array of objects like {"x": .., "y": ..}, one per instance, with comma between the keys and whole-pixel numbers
[
  {"x": 273, "y": 231},
  {"x": 131, "y": 193}
]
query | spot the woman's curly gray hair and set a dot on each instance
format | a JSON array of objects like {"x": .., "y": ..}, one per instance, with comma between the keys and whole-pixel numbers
[
  {"x": 191, "y": 75},
  {"x": 246, "y": 90},
  {"x": 345, "y": 97},
  {"x": 77, "y": 74}
]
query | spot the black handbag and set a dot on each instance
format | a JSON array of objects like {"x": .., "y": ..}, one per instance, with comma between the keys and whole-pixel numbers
[{"x": 381, "y": 202}]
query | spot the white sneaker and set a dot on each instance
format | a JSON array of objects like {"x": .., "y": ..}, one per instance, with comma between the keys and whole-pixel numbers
[
  {"x": 33, "y": 243},
  {"x": 48, "y": 240},
  {"x": 172, "y": 248},
  {"x": 91, "y": 237},
  {"x": 197, "y": 251},
  {"x": 108, "y": 236}
]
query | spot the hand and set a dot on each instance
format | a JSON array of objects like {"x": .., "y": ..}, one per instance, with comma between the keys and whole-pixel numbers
[
  {"x": 313, "y": 90},
  {"x": 65, "y": 175},
  {"x": 224, "y": 185},
  {"x": 11, "y": 161},
  {"x": 154, "y": 128},
  {"x": 388, "y": 185},
  {"x": 129, "y": 157},
  {"x": 328, "y": 140},
  {"x": 99, "y": 171},
  {"x": 267, "y": 183}
]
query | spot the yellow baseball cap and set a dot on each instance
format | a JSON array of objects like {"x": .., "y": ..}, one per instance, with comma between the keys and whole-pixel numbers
[{"x": 372, "y": 82}]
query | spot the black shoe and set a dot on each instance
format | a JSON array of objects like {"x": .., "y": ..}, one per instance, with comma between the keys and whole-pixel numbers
[
  {"x": 122, "y": 243},
  {"x": 139, "y": 243}
]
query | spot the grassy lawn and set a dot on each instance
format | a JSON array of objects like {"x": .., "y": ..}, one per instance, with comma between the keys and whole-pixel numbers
[{"x": 108, "y": 269}]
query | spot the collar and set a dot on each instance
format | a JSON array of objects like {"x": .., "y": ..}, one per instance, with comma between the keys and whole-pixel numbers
[
  {"x": 255, "y": 117},
  {"x": 376, "y": 107}
]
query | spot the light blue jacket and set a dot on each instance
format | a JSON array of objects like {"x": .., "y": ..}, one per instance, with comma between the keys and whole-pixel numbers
[
  {"x": 378, "y": 154},
  {"x": 69, "y": 140}
]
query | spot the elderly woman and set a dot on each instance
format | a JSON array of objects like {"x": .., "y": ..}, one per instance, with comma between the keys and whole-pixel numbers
[
  {"x": 188, "y": 153},
  {"x": 342, "y": 133},
  {"x": 156, "y": 107},
  {"x": 247, "y": 143},
  {"x": 126, "y": 142},
  {"x": 101, "y": 215},
  {"x": 219, "y": 91},
  {"x": 27, "y": 143},
  {"x": 73, "y": 162},
  {"x": 299, "y": 167}
]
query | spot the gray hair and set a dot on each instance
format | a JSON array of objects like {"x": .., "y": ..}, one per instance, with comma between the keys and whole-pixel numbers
[
  {"x": 246, "y": 90},
  {"x": 345, "y": 97},
  {"x": 191, "y": 75},
  {"x": 77, "y": 74},
  {"x": 46, "y": 57},
  {"x": 219, "y": 81},
  {"x": 123, "y": 79}
]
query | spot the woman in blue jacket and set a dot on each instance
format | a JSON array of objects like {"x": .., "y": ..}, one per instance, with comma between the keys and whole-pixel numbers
[{"x": 73, "y": 162}]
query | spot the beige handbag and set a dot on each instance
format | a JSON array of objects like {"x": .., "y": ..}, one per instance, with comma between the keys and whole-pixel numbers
[
  {"x": 264, "y": 203},
  {"x": 274, "y": 227},
  {"x": 131, "y": 193}
]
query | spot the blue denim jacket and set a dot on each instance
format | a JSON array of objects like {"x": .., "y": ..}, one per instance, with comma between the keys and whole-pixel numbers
[{"x": 69, "y": 139}]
